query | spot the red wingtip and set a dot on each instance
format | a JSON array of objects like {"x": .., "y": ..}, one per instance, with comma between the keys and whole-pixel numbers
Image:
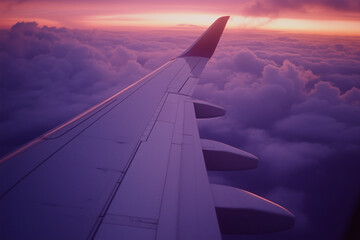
[{"x": 207, "y": 42}]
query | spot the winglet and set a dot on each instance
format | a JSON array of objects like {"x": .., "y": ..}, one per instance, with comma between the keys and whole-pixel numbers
[{"x": 207, "y": 42}]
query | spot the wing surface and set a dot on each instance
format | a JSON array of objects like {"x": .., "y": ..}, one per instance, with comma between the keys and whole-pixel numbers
[{"x": 132, "y": 167}]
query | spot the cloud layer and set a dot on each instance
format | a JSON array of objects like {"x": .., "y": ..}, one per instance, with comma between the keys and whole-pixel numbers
[
  {"x": 292, "y": 100},
  {"x": 50, "y": 74}
]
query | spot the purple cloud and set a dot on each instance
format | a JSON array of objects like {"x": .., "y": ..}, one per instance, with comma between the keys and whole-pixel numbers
[
  {"x": 297, "y": 117},
  {"x": 51, "y": 74}
]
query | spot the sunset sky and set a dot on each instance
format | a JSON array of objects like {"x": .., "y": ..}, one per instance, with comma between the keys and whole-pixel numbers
[
  {"x": 287, "y": 72},
  {"x": 317, "y": 16}
]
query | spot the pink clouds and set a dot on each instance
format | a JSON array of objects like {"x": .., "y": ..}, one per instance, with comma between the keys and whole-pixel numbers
[{"x": 276, "y": 7}]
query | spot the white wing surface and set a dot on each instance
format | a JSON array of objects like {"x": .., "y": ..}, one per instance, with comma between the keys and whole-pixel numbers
[{"x": 133, "y": 167}]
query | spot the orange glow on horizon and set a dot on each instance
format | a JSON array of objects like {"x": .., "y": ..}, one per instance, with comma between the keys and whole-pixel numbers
[
  {"x": 333, "y": 27},
  {"x": 123, "y": 16}
]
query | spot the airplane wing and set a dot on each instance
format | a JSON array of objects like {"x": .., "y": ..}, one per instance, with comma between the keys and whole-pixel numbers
[{"x": 134, "y": 167}]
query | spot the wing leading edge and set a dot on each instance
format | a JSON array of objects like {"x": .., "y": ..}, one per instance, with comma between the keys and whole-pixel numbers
[{"x": 135, "y": 167}]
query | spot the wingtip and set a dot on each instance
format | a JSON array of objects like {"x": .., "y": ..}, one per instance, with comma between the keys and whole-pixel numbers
[
  {"x": 225, "y": 17},
  {"x": 207, "y": 42}
]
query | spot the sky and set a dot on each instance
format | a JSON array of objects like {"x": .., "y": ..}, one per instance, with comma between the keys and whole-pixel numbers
[
  {"x": 315, "y": 16},
  {"x": 287, "y": 72}
]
